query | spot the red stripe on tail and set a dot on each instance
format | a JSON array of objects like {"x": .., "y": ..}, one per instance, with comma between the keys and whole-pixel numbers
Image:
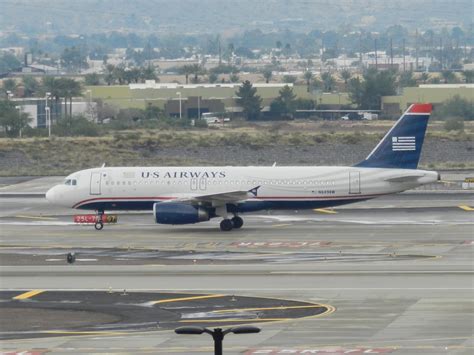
[{"x": 421, "y": 108}]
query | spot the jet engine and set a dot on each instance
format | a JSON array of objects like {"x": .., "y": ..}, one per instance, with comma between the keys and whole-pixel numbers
[{"x": 178, "y": 213}]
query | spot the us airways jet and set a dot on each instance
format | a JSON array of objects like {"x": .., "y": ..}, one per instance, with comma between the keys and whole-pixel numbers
[{"x": 185, "y": 195}]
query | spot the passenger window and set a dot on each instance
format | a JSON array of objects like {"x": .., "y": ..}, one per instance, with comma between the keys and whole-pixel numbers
[{"x": 74, "y": 182}]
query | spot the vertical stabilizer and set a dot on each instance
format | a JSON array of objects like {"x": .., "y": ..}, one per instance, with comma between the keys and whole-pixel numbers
[{"x": 401, "y": 146}]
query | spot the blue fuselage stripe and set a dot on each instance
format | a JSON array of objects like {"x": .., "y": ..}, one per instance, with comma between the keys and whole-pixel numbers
[{"x": 239, "y": 208}]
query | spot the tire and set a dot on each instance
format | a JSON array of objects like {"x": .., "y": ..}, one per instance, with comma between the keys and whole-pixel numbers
[
  {"x": 226, "y": 225},
  {"x": 237, "y": 222},
  {"x": 98, "y": 225}
]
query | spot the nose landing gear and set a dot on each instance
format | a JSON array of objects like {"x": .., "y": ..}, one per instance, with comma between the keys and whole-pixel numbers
[{"x": 99, "y": 224}]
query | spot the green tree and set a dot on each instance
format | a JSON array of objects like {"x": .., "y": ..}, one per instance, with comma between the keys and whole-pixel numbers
[
  {"x": 468, "y": 76},
  {"x": 9, "y": 63},
  {"x": 285, "y": 104},
  {"x": 197, "y": 70},
  {"x": 448, "y": 76},
  {"x": 328, "y": 81},
  {"x": 367, "y": 93},
  {"x": 31, "y": 86},
  {"x": 149, "y": 73},
  {"x": 9, "y": 85},
  {"x": 406, "y": 79},
  {"x": 267, "y": 74},
  {"x": 249, "y": 100},
  {"x": 11, "y": 119},
  {"x": 424, "y": 77},
  {"x": 213, "y": 78},
  {"x": 308, "y": 76},
  {"x": 73, "y": 58},
  {"x": 456, "y": 107},
  {"x": 109, "y": 76},
  {"x": 186, "y": 70},
  {"x": 346, "y": 76},
  {"x": 233, "y": 78},
  {"x": 92, "y": 79},
  {"x": 289, "y": 79}
]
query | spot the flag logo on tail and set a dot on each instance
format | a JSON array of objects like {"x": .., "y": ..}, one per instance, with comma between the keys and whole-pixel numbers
[{"x": 403, "y": 143}]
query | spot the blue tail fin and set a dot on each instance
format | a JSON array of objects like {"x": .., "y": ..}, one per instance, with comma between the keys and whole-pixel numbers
[{"x": 401, "y": 146}]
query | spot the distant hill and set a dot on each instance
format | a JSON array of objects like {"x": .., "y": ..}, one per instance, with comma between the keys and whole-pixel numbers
[{"x": 225, "y": 16}]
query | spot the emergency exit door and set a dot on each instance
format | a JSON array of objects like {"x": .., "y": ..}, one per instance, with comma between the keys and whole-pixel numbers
[
  {"x": 95, "y": 183},
  {"x": 354, "y": 182}
]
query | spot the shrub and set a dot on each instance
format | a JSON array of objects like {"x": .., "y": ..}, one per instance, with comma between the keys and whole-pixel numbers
[{"x": 454, "y": 124}]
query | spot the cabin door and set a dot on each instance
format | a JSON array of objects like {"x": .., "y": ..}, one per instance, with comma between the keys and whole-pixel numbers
[
  {"x": 95, "y": 183},
  {"x": 354, "y": 182}
]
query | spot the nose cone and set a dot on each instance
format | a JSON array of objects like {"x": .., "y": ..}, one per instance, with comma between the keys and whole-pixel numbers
[{"x": 51, "y": 194}]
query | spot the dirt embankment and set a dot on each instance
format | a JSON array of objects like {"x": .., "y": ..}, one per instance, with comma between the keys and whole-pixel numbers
[{"x": 326, "y": 144}]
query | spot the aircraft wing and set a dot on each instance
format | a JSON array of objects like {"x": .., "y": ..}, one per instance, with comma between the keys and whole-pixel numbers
[{"x": 217, "y": 198}]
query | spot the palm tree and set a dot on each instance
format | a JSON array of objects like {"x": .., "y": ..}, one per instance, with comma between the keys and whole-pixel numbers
[
  {"x": 448, "y": 76},
  {"x": 328, "y": 81},
  {"x": 186, "y": 70},
  {"x": 308, "y": 76},
  {"x": 197, "y": 70},
  {"x": 424, "y": 77},
  {"x": 346, "y": 76},
  {"x": 148, "y": 73}
]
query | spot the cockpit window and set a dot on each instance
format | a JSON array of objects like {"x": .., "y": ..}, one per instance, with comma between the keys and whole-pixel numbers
[{"x": 70, "y": 182}]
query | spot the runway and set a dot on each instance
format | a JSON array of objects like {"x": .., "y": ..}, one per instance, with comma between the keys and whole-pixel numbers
[{"x": 397, "y": 273}]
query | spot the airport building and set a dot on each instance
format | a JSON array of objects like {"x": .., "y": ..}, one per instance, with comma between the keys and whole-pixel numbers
[
  {"x": 432, "y": 93},
  {"x": 201, "y": 98}
]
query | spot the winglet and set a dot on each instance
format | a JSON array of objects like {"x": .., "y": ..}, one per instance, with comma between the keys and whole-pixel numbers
[{"x": 254, "y": 190}]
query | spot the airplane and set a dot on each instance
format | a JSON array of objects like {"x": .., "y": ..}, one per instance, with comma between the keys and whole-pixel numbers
[{"x": 187, "y": 195}]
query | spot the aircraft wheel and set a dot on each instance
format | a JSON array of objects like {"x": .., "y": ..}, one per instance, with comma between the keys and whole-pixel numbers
[
  {"x": 98, "y": 225},
  {"x": 226, "y": 225},
  {"x": 237, "y": 222}
]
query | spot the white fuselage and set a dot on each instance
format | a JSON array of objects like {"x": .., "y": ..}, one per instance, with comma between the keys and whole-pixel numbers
[{"x": 138, "y": 188}]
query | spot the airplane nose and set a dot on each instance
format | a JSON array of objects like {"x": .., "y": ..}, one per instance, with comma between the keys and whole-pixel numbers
[{"x": 50, "y": 194}]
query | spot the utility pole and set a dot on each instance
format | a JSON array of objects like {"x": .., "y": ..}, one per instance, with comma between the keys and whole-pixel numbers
[
  {"x": 404, "y": 63},
  {"x": 416, "y": 49},
  {"x": 360, "y": 51},
  {"x": 441, "y": 52},
  {"x": 391, "y": 53},
  {"x": 376, "y": 59}
]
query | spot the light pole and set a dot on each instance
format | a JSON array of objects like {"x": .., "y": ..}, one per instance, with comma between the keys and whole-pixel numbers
[
  {"x": 19, "y": 117},
  {"x": 48, "y": 113},
  {"x": 218, "y": 334},
  {"x": 180, "y": 108},
  {"x": 199, "y": 107},
  {"x": 89, "y": 104}
]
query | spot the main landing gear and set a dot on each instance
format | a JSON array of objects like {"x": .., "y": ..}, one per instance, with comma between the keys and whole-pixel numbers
[{"x": 228, "y": 224}]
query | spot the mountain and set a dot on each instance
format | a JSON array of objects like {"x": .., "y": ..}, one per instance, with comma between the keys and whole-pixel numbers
[{"x": 225, "y": 16}]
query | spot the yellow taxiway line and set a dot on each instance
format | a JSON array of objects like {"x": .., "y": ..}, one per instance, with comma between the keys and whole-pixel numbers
[
  {"x": 466, "y": 208},
  {"x": 28, "y": 294},
  {"x": 267, "y": 308},
  {"x": 186, "y": 299},
  {"x": 324, "y": 210}
]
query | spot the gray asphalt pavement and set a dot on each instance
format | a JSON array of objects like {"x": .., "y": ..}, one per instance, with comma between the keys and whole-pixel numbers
[{"x": 396, "y": 272}]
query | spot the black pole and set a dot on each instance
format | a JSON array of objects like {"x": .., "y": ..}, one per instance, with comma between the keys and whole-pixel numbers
[{"x": 218, "y": 336}]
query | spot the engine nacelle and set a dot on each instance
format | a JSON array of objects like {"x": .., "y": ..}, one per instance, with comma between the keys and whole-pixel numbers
[{"x": 178, "y": 213}]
